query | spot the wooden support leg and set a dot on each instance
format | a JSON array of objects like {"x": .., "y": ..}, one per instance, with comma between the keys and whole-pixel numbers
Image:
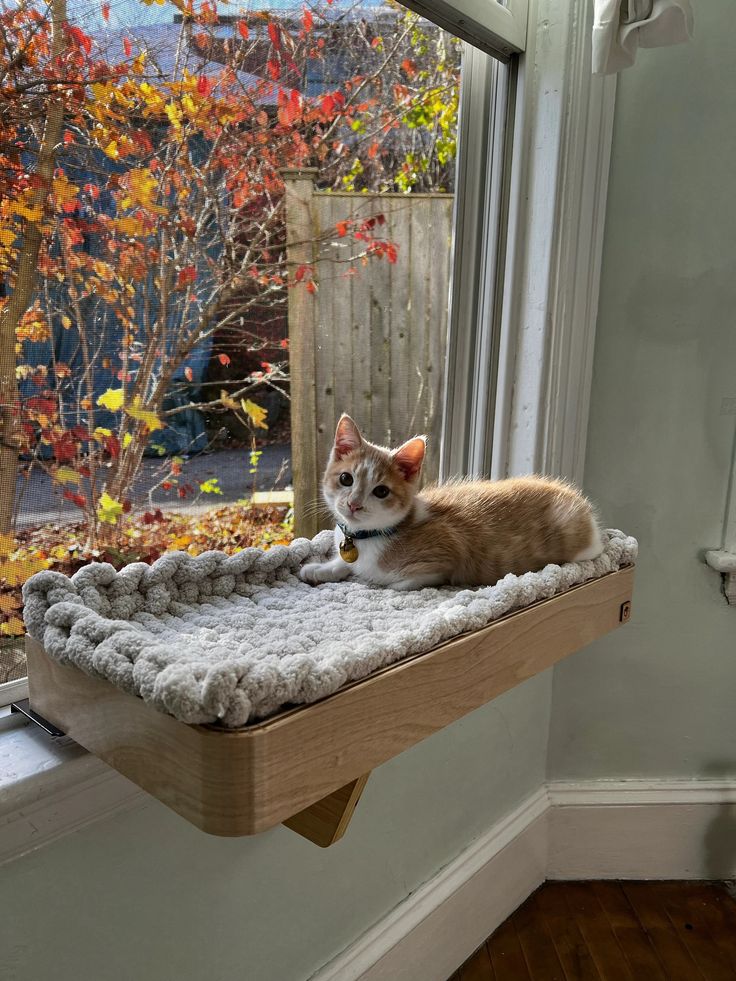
[{"x": 326, "y": 821}]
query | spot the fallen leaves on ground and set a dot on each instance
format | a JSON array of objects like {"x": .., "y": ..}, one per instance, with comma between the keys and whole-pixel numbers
[{"x": 65, "y": 548}]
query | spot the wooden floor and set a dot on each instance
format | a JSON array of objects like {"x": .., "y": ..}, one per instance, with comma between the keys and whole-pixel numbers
[{"x": 613, "y": 931}]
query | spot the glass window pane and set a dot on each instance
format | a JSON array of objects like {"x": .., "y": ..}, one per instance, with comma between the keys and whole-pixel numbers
[{"x": 154, "y": 393}]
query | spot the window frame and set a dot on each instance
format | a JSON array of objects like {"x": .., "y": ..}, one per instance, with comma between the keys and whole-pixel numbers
[
  {"x": 527, "y": 410},
  {"x": 497, "y": 29}
]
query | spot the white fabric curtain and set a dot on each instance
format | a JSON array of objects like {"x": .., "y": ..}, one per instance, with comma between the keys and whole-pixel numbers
[{"x": 621, "y": 27}]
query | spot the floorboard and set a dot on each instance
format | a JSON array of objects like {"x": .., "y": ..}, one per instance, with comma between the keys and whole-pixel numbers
[{"x": 613, "y": 931}]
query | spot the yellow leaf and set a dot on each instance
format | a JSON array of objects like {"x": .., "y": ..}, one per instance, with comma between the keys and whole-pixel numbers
[
  {"x": 255, "y": 413},
  {"x": 16, "y": 572},
  {"x": 146, "y": 416},
  {"x": 228, "y": 402},
  {"x": 32, "y": 214},
  {"x": 127, "y": 440},
  {"x": 108, "y": 509},
  {"x": 112, "y": 399},
  {"x": 66, "y": 322},
  {"x": 128, "y": 226},
  {"x": 65, "y": 475},
  {"x": 100, "y": 433},
  {"x": 13, "y": 628}
]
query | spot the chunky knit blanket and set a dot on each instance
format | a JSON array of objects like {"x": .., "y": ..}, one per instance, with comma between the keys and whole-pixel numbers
[{"x": 228, "y": 639}]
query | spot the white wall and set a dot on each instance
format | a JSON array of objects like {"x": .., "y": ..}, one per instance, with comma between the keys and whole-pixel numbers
[
  {"x": 659, "y": 697},
  {"x": 145, "y": 896}
]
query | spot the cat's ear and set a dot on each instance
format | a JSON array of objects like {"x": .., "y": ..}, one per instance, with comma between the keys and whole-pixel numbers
[
  {"x": 347, "y": 437},
  {"x": 410, "y": 456}
]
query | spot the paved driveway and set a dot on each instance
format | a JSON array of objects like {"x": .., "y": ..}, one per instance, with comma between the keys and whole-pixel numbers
[{"x": 41, "y": 502}]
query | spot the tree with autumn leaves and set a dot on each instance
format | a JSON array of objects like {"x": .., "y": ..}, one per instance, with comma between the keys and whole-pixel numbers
[{"x": 142, "y": 212}]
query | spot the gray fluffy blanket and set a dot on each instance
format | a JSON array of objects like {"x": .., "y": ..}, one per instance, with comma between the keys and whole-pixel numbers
[{"x": 231, "y": 639}]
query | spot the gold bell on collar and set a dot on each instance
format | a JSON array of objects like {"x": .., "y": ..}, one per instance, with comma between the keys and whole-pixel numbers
[{"x": 348, "y": 550}]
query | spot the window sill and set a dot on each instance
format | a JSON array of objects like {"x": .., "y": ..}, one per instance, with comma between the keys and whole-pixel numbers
[
  {"x": 725, "y": 563},
  {"x": 51, "y": 787}
]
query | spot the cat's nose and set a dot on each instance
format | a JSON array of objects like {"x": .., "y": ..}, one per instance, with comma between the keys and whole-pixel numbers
[{"x": 354, "y": 506}]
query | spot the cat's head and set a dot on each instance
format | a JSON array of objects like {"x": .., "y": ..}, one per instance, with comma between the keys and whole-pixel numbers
[{"x": 370, "y": 487}]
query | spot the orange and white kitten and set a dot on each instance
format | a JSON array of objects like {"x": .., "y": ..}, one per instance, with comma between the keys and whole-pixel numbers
[{"x": 468, "y": 533}]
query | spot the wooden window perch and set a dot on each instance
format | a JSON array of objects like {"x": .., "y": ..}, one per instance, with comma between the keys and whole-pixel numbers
[{"x": 306, "y": 767}]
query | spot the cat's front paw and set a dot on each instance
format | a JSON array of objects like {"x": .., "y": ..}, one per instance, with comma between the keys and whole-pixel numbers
[{"x": 312, "y": 573}]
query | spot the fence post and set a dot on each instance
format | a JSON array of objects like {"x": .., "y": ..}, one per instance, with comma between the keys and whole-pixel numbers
[{"x": 301, "y": 236}]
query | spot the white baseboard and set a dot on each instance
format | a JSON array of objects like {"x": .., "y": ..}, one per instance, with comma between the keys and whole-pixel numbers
[
  {"x": 435, "y": 928},
  {"x": 630, "y": 829},
  {"x": 642, "y": 829}
]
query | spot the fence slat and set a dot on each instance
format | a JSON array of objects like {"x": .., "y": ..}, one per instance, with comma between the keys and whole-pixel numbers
[{"x": 301, "y": 236}]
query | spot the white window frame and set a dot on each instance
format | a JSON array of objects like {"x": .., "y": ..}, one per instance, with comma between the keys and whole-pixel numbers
[
  {"x": 12, "y": 691},
  {"x": 533, "y": 345},
  {"x": 497, "y": 29},
  {"x": 529, "y": 373}
]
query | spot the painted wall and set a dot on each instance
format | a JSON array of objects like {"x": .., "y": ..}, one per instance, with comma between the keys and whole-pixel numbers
[
  {"x": 657, "y": 699},
  {"x": 146, "y": 896}
]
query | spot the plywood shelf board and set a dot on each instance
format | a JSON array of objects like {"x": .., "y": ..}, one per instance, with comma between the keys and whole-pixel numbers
[{"x": 314, "y": 757}]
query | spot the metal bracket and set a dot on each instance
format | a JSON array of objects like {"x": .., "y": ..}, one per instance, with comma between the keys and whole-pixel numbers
[{"x": 23, "y": 707}]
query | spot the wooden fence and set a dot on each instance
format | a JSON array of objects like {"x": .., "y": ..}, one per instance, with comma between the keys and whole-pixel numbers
[{"x": 371, "y": 340}]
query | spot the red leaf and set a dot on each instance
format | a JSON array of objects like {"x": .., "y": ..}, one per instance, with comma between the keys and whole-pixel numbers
[
  {"x": 307, "y": 20},
  {"x": 167, "y": 485},
  {"x": 127, "y": 47},
  {"x": 409, "y": 66},
  {"x": 342, "y": 228},
  {"x": 81, "y": 39},
  {"x": 274, "y": 69},
  {"x": 284, "y": 343},
  {"x": 223, "y": 359},
  {"x": 188, "y": 373},
  {"x": 106, "y": 11},
  {"x": 127, "y": 507},
  {"x": 312, "y": 286},
  {"x": 112, "y": 445},
  {"x": 68, "y": 137},
  {"x": 65, "y": 448},
  {"x": 274, "y": 32},
  {"x": 77, "y": 499},
  {"x": 186, "y": 275},
  {"x": 204, "y": 85},
  {"x": 391, "y": 252},
  {"x": 300, "y": 273},
  {"x": 327, "y": 105},
  {"x": 243, "y": 30}
]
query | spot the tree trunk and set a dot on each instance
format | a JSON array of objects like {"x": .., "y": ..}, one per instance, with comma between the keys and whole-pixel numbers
[{"x": 25, "y": 286}]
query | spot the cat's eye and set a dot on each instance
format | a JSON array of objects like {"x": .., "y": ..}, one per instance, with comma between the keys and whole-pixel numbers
[
  {"x": 381, "y": 491},
  {"x": 346, "y": 479}
]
